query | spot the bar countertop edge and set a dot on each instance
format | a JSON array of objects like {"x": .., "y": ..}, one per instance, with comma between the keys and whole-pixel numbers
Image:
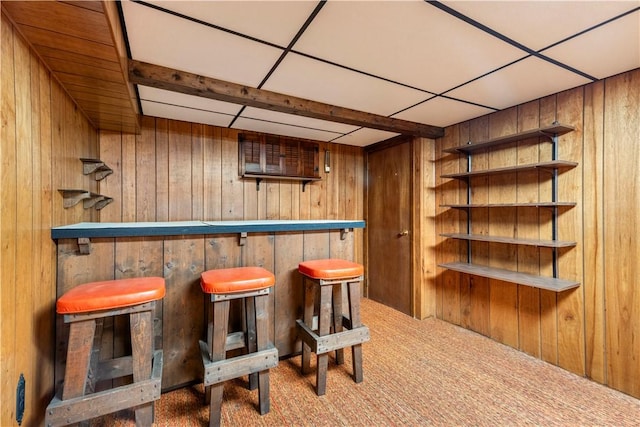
[{"x": 177, "y": 228}]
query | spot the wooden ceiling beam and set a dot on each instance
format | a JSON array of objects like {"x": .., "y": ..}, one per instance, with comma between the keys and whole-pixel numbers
[{"x": 156, "y": 76}]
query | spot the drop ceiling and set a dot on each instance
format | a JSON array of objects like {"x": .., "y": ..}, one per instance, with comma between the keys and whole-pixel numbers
[{"x": 436, "y": 63}]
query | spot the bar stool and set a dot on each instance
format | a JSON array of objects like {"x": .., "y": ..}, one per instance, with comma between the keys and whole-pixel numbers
[
  {"x": 252, "y": 285},
  {"x": 326, "y": 277},
  {"x": 85, "y": 307}
]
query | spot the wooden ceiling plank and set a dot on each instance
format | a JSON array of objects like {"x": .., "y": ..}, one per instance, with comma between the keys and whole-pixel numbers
[
  {"x": 61, "y": 18},
  {"x": 90, "y": 81},
  {"x": 99, "y": 98},
  {"x": 38, "y": 36},
  {"x": 93, "y": 91},
  {"x": 68, "y": 67},
  {"x": 192, "y": 84},
  {"x": 47, "y": 53}
]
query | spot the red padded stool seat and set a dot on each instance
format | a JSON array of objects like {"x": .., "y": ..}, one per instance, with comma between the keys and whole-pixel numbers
[
  {"x": 328, "y": 276},
  {"x": 252, "y": 285},
  {"x": 85, "y": 307}
]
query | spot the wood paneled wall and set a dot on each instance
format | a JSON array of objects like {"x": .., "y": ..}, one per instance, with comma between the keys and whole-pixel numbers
[
  {"x": 179, "y": 171},
  {"x": 591, "y": 330},
  {"x": 43, "y": 135}
]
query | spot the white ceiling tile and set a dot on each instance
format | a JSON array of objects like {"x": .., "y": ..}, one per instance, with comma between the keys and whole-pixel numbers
[
  {"x": 363, "y": 137},
  {"x": 523, "y": 81},
  {"x": 538, "y": 24},
  {"x": 244, "y": 123},
  {"x": 272, "y": 21},
  {"x": 617, "y": 45},
  {"x": 169, "y": 41},
  {"x": 443, "y": 112},
  {"x": 410, "y": 42},
  {"x": 179, "y": 99},
  {"x": 310, "y": 79},
  {"x": 295, "y": 120},
  {"x": 150, "y": 108}
]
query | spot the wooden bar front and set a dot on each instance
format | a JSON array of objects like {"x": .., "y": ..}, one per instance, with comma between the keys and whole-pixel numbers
[{"x": 180, "y": 259}]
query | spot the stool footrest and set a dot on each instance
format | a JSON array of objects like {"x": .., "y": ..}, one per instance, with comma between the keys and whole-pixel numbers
[
  {"x": 227, "y": 369},
  {"x": 65, "y": 412},
  {"x": 326, "y": 343}
]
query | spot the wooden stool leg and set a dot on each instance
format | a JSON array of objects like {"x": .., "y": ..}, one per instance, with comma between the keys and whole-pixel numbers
[
  {"x": 80, "y": 344},
  {"x": 250, "y": 337},
  {"x": 142, "y": 354},
  {"x": 324, "y": 323},
  {"x": 217, "y": 352},
  {"x": 354, "y": 314},
  {"x": 337, "y": 318},
  {"x": 309, "y": 298},
  {"x": 262, "y": 332}
]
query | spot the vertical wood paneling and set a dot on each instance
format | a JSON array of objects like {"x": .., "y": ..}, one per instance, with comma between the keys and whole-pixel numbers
[
  {"x": 162, "y": 169},
  {"x": 145, "y": 170},
  {"x": 479, "y": 289},
  {"x": 183, "y": 316},
  {"x": 213, "y": 174},
  {"x": 448, "y": 305},
  {"x": 24, "y": 210},
  {"x": 8, "y": 172},
  {"x": 592, "y": 197},
  {"x": 589, "y": 330},
  {"x": 180, "y": 171},
  {"x": 621, "y": 245},
  {"x": 129, "y": 211},
  {"x": 43, "y": 135},
  {"x": 527, "y": 228},
  {"x": 198, "y": 141},
  {"x": 504, "y": 296},
  {"x": 571, "y": 303},
  {"x": 548, "y": 299},
  {"x": 232, "y": 187}
]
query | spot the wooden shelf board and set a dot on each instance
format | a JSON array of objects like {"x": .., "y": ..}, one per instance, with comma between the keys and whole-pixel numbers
[
  {"x": 512, "y": 205},
  {"x": 548, "y": 283},
  {"x": 511, "y": 240},
  {"x": 281, "y": 177},
  {"x": 555, "y": 164},
  {"x": 547, "y": 131}
]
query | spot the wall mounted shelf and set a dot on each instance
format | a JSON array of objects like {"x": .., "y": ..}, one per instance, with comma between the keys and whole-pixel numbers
[
  {"x": 259, "y": 178},
  {"x": 553, "y": 167},
  {"x": 550, "y": 166},
  {"x": 548, "y": 283},
  {"x": 550, "y": 132},
  {"x": 96, "y": 166},
  {"x": 553, "y": 205}
]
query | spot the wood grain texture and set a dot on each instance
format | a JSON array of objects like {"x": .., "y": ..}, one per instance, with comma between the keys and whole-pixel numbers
[
  {"x": 502, "y": 222},
  {"x": 621, "y": 248},
  {"x": 594, "y": 278},
  {"x": 527, "y": 222}
]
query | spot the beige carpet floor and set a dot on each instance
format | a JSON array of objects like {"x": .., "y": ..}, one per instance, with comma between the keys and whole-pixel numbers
[{"x": 416, "y": 373}]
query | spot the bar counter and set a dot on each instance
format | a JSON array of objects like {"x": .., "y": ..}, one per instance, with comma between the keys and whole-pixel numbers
[{"x": 180, "y": 251}]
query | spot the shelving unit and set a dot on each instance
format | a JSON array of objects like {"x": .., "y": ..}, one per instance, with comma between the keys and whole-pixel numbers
[{"x": 554, "y": 167}]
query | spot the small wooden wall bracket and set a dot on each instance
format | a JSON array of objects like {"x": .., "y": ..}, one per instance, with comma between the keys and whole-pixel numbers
[
  {"x": 343, "y": 233},
  {"x": 73, "y": 196},
  {"x": 92, "y": 200},
  {"x": 104, "y": 201},
  {"x": 84, "y": 245},
  {"x": 242, "y": 238},
  {"x": 95, "y": 165}
]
